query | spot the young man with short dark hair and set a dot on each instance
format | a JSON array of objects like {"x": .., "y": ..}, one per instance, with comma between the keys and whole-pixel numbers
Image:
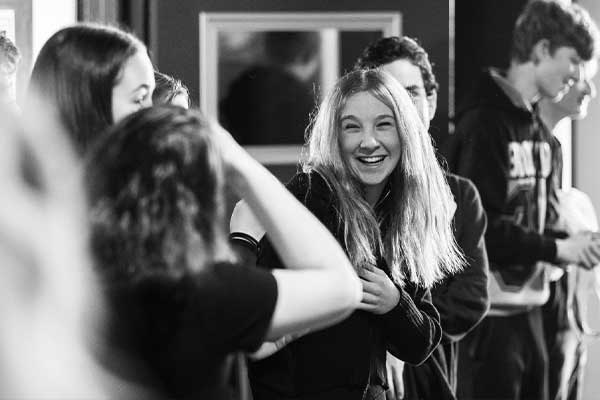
[
  {"x": 507, "y": 152},
  {"x": 462, "y": 300}
]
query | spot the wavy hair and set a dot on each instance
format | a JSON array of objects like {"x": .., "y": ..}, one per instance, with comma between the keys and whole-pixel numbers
[
  {"x": 389, "y": 49},
  {"x": 9, "y": 55},
  {"x": 155, "y": 183},
  {"x": 561, "y": 24},
  {"x": 167, "y": 88},
  {"x": 414, "y": 234}
]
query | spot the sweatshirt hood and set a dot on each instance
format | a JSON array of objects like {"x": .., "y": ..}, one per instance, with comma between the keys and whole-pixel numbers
[{"x": 489, "y": 93}]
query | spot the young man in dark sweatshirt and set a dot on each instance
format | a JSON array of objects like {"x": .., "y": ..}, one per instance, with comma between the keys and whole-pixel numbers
[
  {"x": 507, "y": 152},
  {"x": 462, "y": 300},
  {"x": 564, "y": 315}
]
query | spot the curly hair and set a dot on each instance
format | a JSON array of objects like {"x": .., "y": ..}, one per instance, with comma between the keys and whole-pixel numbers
[
  {"x": 9, "y": 54},
  {"x": 167, "y": 88},
  {"x": 390, "y": 49},
  {"x": 155, "y": 183},
  {"x": 561, "y": 24}
]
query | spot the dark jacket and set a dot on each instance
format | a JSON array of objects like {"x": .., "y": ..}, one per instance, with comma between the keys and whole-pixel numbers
[
  {"x": 462, "y": 300},
  {"x": 350, "y": 354},
  {"x": 504, "y": 149}
]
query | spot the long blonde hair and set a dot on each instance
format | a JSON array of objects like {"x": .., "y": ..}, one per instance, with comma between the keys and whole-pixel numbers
[{"x": 417, "y": 241}]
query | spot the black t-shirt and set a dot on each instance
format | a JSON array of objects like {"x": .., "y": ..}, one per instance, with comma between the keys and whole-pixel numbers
[{"x": 176, "y": 334}]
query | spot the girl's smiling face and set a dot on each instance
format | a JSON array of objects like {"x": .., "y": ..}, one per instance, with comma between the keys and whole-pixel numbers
[{"x": 369, "y": 141}]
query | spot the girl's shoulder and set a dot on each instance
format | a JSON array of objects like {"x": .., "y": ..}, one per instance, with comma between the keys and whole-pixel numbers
[
  {"x": 313, "y": 190},
  {"x": 304, "y": 182},
  {"x": 309, "y": 187}
]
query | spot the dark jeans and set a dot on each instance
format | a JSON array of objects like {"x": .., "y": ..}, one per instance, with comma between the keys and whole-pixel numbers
[
  {"x": 505, "y": 358},
  {"x": 374, "y": 392},
  {"x": 566, "y": 349},
  {"x": 432, "y": 379}
]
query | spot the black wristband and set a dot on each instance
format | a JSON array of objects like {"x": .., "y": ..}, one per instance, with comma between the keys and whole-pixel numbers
[{"x": 245, "y": 240}]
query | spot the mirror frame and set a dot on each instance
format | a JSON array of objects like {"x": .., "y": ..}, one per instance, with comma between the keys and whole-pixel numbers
[{"x": 388, "y": 22}]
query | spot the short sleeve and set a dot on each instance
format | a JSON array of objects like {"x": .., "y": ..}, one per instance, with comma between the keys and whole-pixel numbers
[{"x": 232, "y": 306}]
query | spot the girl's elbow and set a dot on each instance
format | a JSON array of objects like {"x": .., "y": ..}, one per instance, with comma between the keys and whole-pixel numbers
[{"x": 351, "y": 288}]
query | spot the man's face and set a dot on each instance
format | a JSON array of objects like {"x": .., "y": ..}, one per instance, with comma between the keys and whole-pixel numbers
[
  {"x": 556, "y": 72},
  {"x": 575, "y": 102},
  {"x": 409, "y": 76}
]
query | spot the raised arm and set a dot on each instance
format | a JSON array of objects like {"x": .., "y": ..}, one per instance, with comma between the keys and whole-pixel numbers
[{"x": 319, "y": 286}]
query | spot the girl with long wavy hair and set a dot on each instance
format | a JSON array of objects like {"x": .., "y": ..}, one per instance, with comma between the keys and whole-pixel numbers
[{"x": 371, "y": 176}]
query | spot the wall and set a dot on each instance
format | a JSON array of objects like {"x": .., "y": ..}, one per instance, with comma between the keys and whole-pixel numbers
[
  {"x": 483, "y": 37},
  {"x": 586, "y": 138},
  {"x": 586, "y": 145},
  {"x": 35, "y": 21},
  {"x": 48, "y": 17},
  {"x": 177, "y": 50}
]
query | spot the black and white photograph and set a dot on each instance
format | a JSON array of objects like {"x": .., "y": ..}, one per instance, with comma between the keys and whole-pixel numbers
[{"x": 299, "y": 200}]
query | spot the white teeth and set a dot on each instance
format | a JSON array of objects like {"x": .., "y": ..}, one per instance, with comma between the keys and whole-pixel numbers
[{"x": 371, "y": 160}]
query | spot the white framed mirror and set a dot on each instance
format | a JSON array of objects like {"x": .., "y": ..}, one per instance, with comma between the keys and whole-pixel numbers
[{"x": 262, "y": 73}]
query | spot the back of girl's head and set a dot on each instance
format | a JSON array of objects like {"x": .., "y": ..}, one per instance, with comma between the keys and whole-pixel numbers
[
  {"x": 156, "y": 187},
  {"x": 76, "y": 71},
  {"x": 167, "y": 88}
]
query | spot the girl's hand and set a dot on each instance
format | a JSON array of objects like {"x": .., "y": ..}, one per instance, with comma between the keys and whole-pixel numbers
[
  {"x": 236, "y": 160},
  {"x": 380, "y": 294},
  {"x": 226, "y": 144}
]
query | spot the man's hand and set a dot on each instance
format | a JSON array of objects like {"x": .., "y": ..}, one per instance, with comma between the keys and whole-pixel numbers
[
  {"x": 581, "y": 248},
  {"x": 394, "y": 369}
]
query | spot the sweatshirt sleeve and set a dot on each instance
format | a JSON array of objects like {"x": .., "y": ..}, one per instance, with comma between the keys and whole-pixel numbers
[
  {"x": 412, "y": 328},
  {"x": 462, "y": 300},
  {"x": 485, "y": 160}
]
